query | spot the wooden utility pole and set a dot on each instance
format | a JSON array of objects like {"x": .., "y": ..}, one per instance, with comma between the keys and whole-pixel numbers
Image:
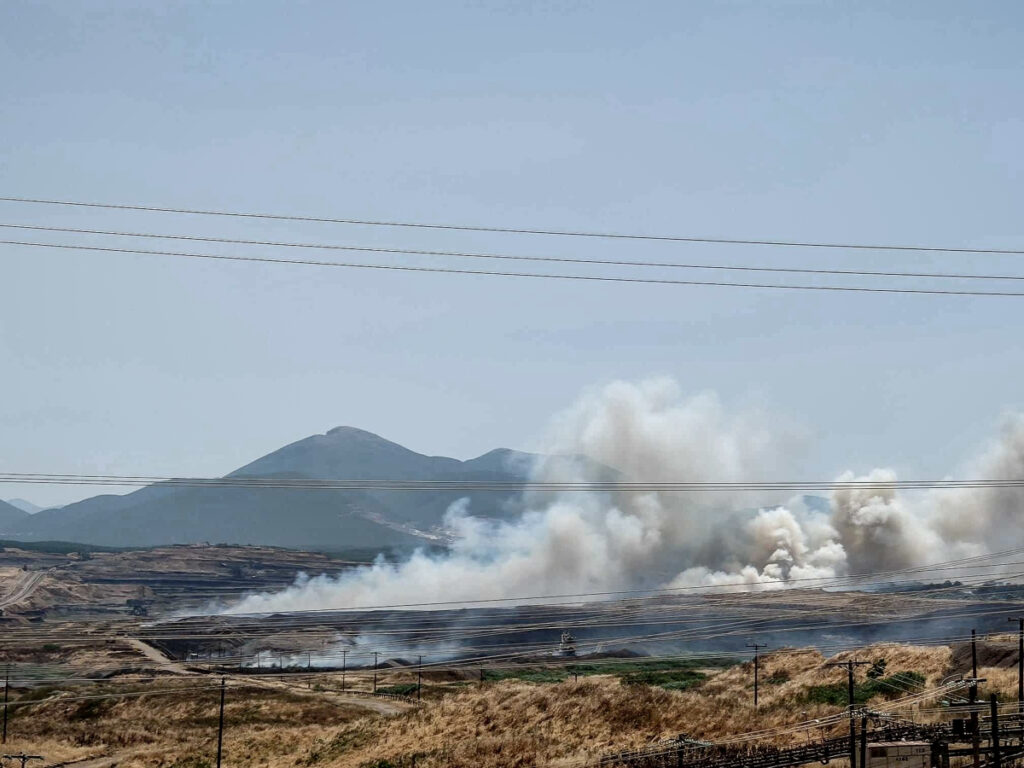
[
  {"x": 375, "y": 654},
  {"x": 972, "y": 698},
  {"x": 7, "y": 685},
  {"x": 863, "y": 741},
  {"x": 1020, "y": 665},
  {"x": 756, "y": 647},
  {"x": 220, "y": 722},
  {"x": 344, "y": 654},
  {"x": 419, "y": 676},
  {"x": 853, "y": 723},
  {"x": 997, "y": 755}
]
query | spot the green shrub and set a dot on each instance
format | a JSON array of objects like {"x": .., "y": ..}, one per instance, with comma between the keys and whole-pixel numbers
[
  {"x": 402, "y": 689},
  {"x": 671, "y": 680},
  {"x": 892, "y": 687}
]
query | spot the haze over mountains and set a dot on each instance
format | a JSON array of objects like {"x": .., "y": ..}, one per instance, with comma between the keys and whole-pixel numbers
[
  {"x": 25, "y": 506},
  {"x": 11, "y": 516},
  {"x": 322, "y": 519}
]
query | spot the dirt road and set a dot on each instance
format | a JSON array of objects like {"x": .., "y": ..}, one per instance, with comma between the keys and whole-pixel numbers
[
  {"x": 22, "y": 589},
  {"x": 162, "y": 663},
  {"x": 381, "y": 706},
  {"x": 368, "y": 701}
]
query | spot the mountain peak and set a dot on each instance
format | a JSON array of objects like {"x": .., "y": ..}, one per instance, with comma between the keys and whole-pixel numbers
[{"x": 345, "y": 431}]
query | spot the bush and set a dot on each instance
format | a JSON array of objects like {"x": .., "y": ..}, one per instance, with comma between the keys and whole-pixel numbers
[
  {"x": 402, "y": 689},
  {"x": 670, "y": 680},
  {"x": 192, "y": 761},
  {"x": 891, "y": 687},
  {"x": 90, "y": 709}
]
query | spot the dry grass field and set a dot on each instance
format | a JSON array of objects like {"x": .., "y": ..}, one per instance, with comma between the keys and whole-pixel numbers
[{"x": 500, "y": 724}]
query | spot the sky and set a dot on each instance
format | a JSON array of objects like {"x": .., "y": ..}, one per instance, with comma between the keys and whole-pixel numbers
[{"x": 869, "y": 122}]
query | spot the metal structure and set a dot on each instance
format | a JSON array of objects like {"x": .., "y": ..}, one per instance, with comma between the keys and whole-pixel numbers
[
  {"x": 943, "y": 744},
  {"x": 567, "y": 645}
]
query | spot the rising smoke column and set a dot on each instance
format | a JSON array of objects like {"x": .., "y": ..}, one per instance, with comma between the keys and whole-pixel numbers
[{"x": 577, "y": 542}]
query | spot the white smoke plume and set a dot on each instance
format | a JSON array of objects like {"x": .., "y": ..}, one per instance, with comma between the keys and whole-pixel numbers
[{"x": 577, "y": 542}]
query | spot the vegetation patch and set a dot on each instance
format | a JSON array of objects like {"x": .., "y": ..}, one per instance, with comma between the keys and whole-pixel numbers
[
  {"x": 891, "y": 687},
  {"x": 678, "y": 674},
  {"x": 192, "y": 761},
  {"x": 399, "y": 761},
  {"x": 402, "y": 689},
  {"x": 345, "y": 741},
  {"x": 90, "y": 709},
  {"x": 670, "y": 680}
]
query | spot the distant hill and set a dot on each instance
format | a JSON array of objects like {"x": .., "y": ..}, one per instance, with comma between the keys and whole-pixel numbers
[
  {"x": 165, "y": 514},
  {"x": 11, "y": 517}
]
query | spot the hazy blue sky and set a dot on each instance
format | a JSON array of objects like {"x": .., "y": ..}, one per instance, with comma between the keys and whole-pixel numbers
[{"x": 865, "y": 121}]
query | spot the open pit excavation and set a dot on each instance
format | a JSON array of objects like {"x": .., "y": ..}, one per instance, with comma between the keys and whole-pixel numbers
[
  {"x": 154, "y": 599},
  {"x": 145, "y": 642}
]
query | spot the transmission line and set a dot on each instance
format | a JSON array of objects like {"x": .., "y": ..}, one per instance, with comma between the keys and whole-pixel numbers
[
  {"x": 509, "y": 257},
  {"x": 535, "y": 275},
  {"x": 513, "y": 230},
  {"x": 343, "y": 484}
]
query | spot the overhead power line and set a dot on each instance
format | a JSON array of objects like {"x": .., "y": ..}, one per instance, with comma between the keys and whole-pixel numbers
[
  {"x": 510, "y": 485},
  {"x": 509, "y": 257},
  {"x": 513, "y": 230},
  {"x": 495, "y": 273}
]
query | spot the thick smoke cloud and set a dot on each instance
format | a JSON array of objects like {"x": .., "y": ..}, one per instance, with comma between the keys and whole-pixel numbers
[{"x": 576, "y": 542}]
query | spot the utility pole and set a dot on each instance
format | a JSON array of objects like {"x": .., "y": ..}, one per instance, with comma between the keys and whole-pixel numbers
[
  {"x": 756, "y": 647},
  {"x": 220, "y": 723},
  {"x": 972, "y": 698},
  {"x": 419, "y": 676},
  {"x": 853, "y": 723},
  {"x": 344, "y": 654},
  {"x": 481, "y": 677},
  {"x": 1020, "y": 665},
  {"x": 375, "y": 671},
  {"x": 7, "y": 685},
  {"x": 863, "y": 741},
  {"x": 997, "y": 756}
]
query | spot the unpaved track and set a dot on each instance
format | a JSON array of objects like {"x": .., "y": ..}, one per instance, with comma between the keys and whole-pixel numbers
[
  {"x": 163, "y": 663},
  {"x": 374, "y": 704},
  {"x": 23, "y": 589},
  {"x": 90, "y": 762},
  {"x": 380, "y": 706}
]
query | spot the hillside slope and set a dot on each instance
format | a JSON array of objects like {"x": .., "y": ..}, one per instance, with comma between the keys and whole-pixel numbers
[
  {"x": 11, "y": 517},
  {"x": 324, "y": 519}
]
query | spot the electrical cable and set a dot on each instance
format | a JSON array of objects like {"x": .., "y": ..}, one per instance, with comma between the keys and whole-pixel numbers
[
  {"x": 508, "y": 257},
  {"x": 532, "y": 275},
  {"x": 512, "y": 230}
]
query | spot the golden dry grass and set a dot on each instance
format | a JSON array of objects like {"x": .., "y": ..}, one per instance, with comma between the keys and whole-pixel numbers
[{"x": 508, "y": 724}]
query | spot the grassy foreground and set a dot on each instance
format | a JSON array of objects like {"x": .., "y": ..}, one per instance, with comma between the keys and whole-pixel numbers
[{"x": 501, "y": 724}]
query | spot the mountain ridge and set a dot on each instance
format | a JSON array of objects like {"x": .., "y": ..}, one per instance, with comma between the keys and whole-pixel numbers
[
  {"x": 167, "y": 514},
  {"x": 25, "y": 505},
  {"x": 11, "y": 516}
]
